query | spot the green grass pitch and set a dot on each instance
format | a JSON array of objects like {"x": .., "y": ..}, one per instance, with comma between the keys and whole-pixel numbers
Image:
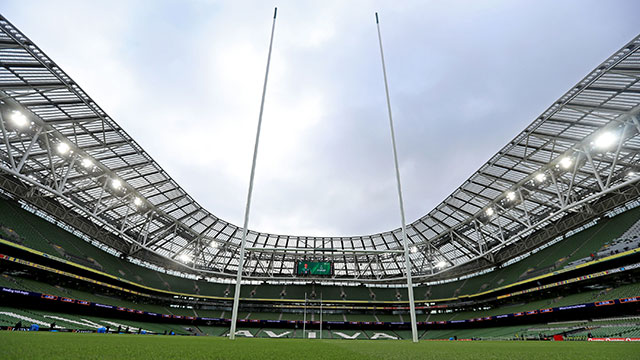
[{"x": 42, "y": 345}]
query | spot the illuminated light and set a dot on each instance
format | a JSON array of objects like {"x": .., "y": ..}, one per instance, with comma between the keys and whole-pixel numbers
[
  {"x": 137, "y": 201},
  {"x": 116, "y": 184},
  {"x": 631, "y": 173},
  {"x": 19, "y": 119},
  {"x": 511, "y": 195},
  {"x": 540, "y": 177},
  {"x": 489, "y": 212},
  {"x": 63, "y": 148},
  {"x": 441, "y": 264},
  {"x": 414, "y": 249},
  {"x": 184, "y": 258},
  {"x": 605, "y": 140},
  {"x": 87, "y": 163},
  {"x": 214, "y": 244},
  {"x": 566, "y": 162}
]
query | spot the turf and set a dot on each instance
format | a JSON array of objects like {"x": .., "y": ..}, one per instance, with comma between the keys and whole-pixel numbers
[{"x": 42, "y": 345}]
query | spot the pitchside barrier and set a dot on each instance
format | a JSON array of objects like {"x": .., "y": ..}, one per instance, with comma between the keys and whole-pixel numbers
[
  {"x": 81, "y": 331},
  {"x": 284, "y": 334}
]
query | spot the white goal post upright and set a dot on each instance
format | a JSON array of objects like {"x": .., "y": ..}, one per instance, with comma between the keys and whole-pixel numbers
[
  {"x": 236, "y": 295},
  {"x": 412, "y": 305},
  {"x": 304, "y": 318},
  {"x": 321, "y": 315}
]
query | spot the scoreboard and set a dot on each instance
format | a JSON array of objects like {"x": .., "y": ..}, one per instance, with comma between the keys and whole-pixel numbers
[{"x": 314, "y": 268}]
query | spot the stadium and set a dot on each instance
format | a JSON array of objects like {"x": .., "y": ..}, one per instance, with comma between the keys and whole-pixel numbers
[{"x": 104, "y": 254}]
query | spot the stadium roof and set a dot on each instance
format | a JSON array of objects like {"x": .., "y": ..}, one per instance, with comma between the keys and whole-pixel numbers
[{"x": 63, "y": 154}]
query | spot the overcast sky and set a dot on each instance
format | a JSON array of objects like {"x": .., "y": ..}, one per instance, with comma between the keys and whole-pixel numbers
[{"x": 184, "y": 78}]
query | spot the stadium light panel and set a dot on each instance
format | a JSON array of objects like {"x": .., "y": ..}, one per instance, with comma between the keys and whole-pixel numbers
[
  {"x": 87, "y": 163},
  {"x": 18, "y": 119},
  {"x": 441, "y": 264},
  {"x": 116, "y": 184},
  {"x": 414, "y": 249},
  {"x": 566, "y": 162},
  {"x": 511, "y": 196},
  {"x": 63, "y": 148},
  {"x": 490, "y": 212},
  {"x": 137, "y": 201},
  {"x": 214, "y": 244},
  {"x": 184, "y": 258},
  {"x": 605, "y": 140},
  {"x": 540, "y": 177}
]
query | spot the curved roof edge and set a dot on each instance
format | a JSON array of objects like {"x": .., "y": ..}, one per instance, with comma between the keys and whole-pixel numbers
[{"x": 580, "y": 151}]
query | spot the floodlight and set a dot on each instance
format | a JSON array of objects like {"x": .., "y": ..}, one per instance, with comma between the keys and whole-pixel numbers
[
  {"x": 19, "y": 119},
  {"x": 605, "y": 140},
  {"x": 631, "y": 173},
  {"x": 566, "y": 162},
  {"x": 214, "y": 244},
  {"x": 441, "y": 264},
  {"x": 87, "y": 163},
  {"x": 414, "y": 249},
  {"x": 63, "y": 148},
  {"x": 540, "y": 177},
  {"x": 184, "y": 258},
  {"x": 116, "y": 184},
  {"x": 137, "y": 201},
  {"x": 489, "y": 211},
  {"x": 511, "y": 195}
]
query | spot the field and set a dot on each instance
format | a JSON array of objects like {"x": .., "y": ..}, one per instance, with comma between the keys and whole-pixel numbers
[{"x": 43, "y": 345}]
